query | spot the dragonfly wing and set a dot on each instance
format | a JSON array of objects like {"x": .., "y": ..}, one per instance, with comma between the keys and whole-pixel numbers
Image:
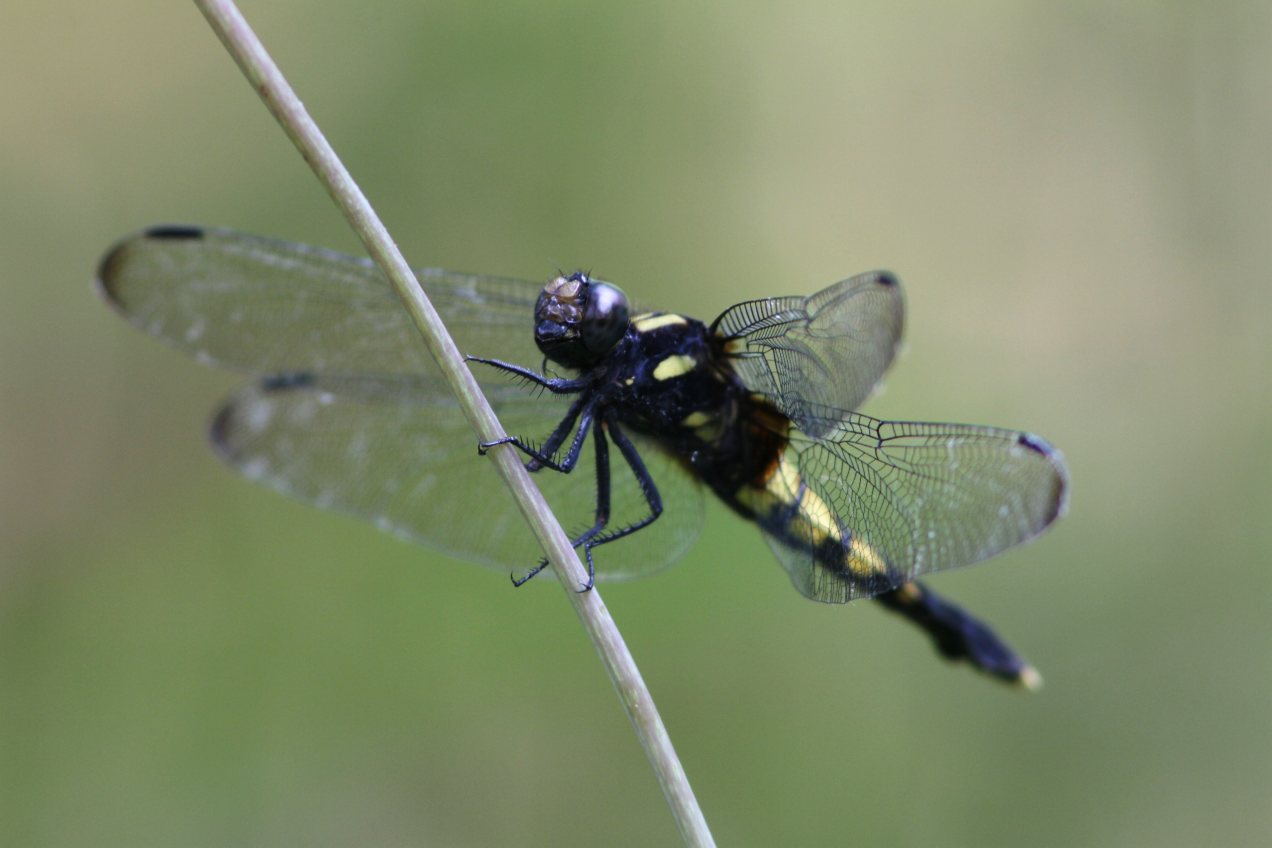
[
  {"x": 266, "y": 307},
  {"x": 816, "y": 356},
  {"x": 395, "y": 450},
  {"x": 902, "y": 499}
]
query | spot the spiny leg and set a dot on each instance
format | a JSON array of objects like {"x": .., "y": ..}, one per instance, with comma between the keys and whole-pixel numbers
[
  {"x": 543, "y": 458},
  {"x": 558, "y": 435},
  {"x": 594, "y": 537},
  {"x": 556, "y": 385},
  {"x": 603, "y": 490},
  {"x": 647, "y": 486}
]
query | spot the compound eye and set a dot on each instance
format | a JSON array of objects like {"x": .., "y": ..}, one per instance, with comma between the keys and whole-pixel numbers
[{"x": 605, "y": 318}]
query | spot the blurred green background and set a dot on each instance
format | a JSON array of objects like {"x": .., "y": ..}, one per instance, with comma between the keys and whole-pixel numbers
[{"x": 1078, "y": 198}]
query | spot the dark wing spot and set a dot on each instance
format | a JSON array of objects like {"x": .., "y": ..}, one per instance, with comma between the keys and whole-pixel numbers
[
  {"x": 1043, "y": 448},
  {"x": 1036, "y": 443},
  {"x": 175, "y": 232},
  {"x": 279, "y": 382}
]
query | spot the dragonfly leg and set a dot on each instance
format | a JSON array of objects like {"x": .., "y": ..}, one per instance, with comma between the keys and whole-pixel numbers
[
  {"x": 544, "y": 457},
  {"x": 559, "y": 433},
  {"x": 556, "y": 385},
  {"x": 602, "y": 515},
  {"x": 647, "y": 487}
]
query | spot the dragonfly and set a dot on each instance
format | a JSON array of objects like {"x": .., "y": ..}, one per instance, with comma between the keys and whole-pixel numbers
[{"x": 348, "y": 412}]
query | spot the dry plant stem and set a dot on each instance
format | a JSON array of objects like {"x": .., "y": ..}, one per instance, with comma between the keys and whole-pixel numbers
[{"x": 268, "y": 81}]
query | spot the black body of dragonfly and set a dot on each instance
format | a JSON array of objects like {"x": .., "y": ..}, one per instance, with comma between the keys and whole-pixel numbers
[{"x": 350, "y": 414}]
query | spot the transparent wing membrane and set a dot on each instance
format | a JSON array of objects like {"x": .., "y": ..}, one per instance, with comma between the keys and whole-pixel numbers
[
  {"x": 273, "y": 307},
  {"x": 819, "y": 354},
  {"x": 911, "y": 498},
  {"x": 396, "y": 450},
  {"x": 352, "y": 416}
]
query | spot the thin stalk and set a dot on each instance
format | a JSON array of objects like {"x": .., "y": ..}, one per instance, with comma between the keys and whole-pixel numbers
[{"x": 267, "y": 79}]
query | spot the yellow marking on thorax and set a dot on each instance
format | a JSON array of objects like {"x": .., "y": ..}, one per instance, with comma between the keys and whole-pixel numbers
[
  {"x": 694, "y": 420},
  {"x": 646, "y": 323},
  {"x": 674, "y": 366},
  {"x": 705, "y": 425}
]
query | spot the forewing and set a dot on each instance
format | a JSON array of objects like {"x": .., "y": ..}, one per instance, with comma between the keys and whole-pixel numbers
[
  {"x": 273, "y": 307},
  {"x": 817, "y": 354},
  {"x": 396, "y": 451},
  {"x": 915, "y": 498}
]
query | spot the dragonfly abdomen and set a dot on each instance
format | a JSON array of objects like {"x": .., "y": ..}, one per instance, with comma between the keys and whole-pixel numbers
[{"x": 792, "y": 513}]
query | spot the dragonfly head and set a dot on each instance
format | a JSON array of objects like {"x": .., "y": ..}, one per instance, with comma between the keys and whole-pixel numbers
[{"x": 578, "y": 320}]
